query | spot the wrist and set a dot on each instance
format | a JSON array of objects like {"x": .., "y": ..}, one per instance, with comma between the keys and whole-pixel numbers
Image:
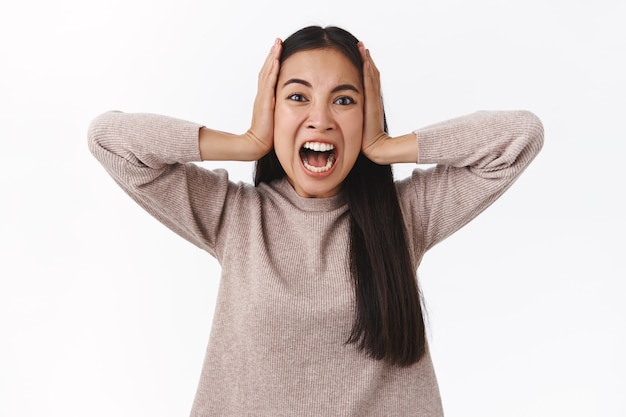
[
  {"x": 255, "y": 148},
  {"x": 216, "y": 145},
  {"x": 387, "y": 150}
]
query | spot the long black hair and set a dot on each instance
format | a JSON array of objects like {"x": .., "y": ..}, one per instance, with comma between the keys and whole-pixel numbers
[{"x": 389, "y": 323}]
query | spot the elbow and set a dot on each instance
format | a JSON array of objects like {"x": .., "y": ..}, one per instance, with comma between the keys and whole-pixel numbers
[
  {"x": 521, "y": 145},
  {"x": 98, "y": 130},
  {"x": 534, "y": 131},
  {"x": 94, "y": 133}
]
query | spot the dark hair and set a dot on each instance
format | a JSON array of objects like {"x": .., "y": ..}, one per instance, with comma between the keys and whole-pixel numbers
[{"x": 389, "y": 323}]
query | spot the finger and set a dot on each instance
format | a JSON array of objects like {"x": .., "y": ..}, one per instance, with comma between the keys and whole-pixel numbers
[
  {"x": 276, "y": 51},
  {"x": 371, "y": 76},
  {"x": 264, "y": 101},
  {"x": 371, "y": 63},
  {"x": 273, "y": 53},
  {"x": 374, "y": 112},
  {"x": 270, "y": 66},
  {"x": 366, "y": 56}
]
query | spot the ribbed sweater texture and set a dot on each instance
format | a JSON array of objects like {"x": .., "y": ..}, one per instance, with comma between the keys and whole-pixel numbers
[{"x": 285, "y": 305}]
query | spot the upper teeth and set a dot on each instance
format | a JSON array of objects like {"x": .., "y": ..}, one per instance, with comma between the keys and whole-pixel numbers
[{"x": 319, "y": 147}]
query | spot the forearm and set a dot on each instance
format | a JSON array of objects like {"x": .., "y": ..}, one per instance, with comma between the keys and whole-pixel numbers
[
  {"x": 137, "y": 146},
  {"x": 477, "y": 158},
  {"x": 148, "y": 156},
  {"x": 486, "y": 141},
  {"x": 396, "y": 150},
  {"x": 216, "y": 145}
]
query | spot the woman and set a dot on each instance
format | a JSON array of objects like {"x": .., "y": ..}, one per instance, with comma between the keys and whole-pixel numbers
[{"x": 318, "y": 311}]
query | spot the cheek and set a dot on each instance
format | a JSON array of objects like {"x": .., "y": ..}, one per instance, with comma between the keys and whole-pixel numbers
[
  {"x": 285, "y": 121},
  {"x": 353, "y": 131},
  {"x": 283, "y": 148},
  {"x": 352, "y": 147},
  {"x": 283, "y": 143},
  {"x": 282, "y": 132}
]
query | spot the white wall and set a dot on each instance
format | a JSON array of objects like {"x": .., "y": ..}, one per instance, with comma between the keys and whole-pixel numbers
[{"x": 104, "y": 312}]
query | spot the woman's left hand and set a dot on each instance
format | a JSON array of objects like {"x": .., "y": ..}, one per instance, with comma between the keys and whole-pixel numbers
[
  {"x": 374, "y": 135},
  {"x": 377, "y": 145}
]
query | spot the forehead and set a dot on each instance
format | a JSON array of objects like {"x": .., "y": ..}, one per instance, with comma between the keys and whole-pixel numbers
[{"x": 319, "y": 67}]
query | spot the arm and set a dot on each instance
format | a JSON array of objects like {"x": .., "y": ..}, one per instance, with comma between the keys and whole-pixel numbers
[
  {"x": 477, "y": 157},
  {"x": 151, "y": 157},
  {"x": 377, "y": 145},
  {"x": 258, "y": 140}
]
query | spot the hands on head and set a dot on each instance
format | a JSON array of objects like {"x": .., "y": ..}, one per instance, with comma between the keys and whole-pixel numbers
[
  {"x": 374, "y": 134},
  {"x": 261, "y": 131},
  {"x": 259, "y": 139}
]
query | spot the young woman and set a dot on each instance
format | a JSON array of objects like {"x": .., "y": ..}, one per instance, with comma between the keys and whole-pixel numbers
[{"x": 318, "y": 311}]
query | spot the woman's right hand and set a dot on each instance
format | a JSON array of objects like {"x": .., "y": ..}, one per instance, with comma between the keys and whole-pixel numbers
[
  {"x": 261, "y": 132},
  {"x": 259, "y": 139}
]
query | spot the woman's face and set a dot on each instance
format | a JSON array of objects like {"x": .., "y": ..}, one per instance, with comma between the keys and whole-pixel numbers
[{"x": 318, "y": 120}]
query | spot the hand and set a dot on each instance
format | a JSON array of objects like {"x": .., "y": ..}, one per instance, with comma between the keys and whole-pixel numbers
[
  {"x": 261, "y": 132},
  {"x": 374, "y": 135}
]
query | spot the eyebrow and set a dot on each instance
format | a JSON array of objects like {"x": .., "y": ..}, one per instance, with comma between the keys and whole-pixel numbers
[{"x": 340, "y": 87}]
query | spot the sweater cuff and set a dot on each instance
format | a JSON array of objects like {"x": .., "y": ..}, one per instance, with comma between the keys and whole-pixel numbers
[{"x": 428, "y": 147}]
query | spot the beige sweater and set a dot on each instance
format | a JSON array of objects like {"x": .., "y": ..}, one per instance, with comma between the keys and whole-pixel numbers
[{"x": 285, "y": 303}]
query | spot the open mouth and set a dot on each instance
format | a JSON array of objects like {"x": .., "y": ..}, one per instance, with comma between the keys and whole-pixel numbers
[{"x": 318, "y": 157}]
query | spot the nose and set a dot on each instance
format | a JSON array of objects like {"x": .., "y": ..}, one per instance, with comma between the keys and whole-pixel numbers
[{"x": 320, "y": 117}]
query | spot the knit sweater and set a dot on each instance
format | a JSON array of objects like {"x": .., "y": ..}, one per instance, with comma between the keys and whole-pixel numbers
[{"x": 285, "y": 305}]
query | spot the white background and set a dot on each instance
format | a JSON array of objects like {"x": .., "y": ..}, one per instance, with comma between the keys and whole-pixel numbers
[{"x": 104, "y": 312}]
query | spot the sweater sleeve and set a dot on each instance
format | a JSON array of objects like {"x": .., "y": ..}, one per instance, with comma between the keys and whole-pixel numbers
[
  {"x": 477, "y": 157},
  {"x": 151, "y": 158}
]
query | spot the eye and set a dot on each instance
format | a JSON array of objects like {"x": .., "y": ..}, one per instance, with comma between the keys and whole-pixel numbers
[
  {"x": 344, "y": 101},
  {"x": 297, "y": 97}
]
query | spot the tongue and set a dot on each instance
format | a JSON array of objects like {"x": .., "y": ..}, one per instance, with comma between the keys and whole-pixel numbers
[{"x": 317, "y": 159}]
